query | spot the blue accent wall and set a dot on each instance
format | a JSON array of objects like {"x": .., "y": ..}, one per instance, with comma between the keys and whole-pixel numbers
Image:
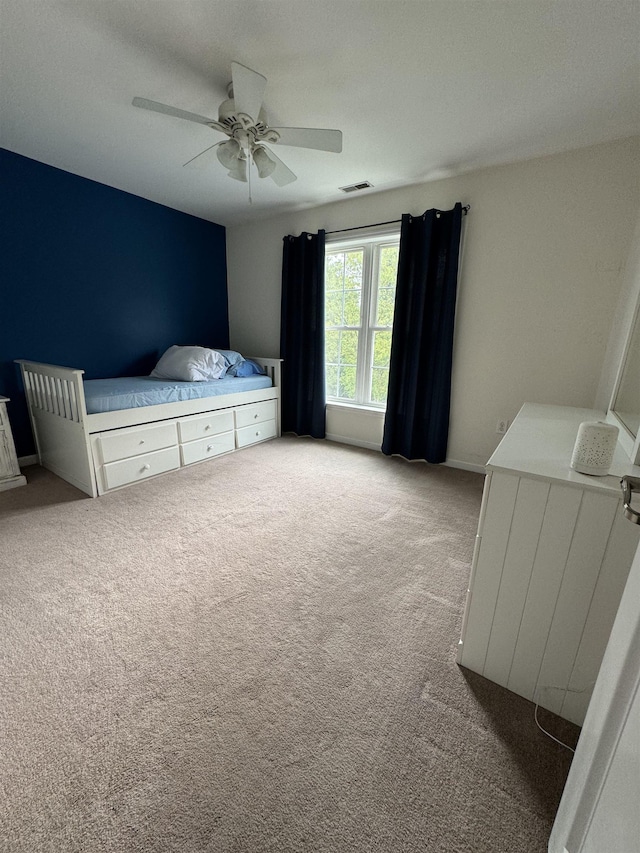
[{"x": 96, "y": 278}]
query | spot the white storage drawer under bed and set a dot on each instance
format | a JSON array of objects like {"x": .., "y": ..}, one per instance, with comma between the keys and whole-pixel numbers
[
  {"x": 254, "y": 433},
  {"x": 202, "y": 426},
  {"x": 121, "y": 444},
  {"x": 140, "y": 467},
  {"x": 255, "y": 413},
  {"x": 204, "y": 448}
]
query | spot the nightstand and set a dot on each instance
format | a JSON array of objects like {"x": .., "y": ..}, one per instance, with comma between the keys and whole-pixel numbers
[{"x": 10, "y": 475}]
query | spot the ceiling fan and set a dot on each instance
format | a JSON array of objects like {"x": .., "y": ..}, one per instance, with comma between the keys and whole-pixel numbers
[{"x": 243, "y": 120}]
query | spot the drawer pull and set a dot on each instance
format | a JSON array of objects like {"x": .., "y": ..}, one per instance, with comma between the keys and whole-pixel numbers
[
  {"x": 208, "y": 426},
  {"x": 255, "y": 417},
  {"x": 142, "y": 441},
  {"x": 209, "y": 446},
  {"x": 258, "y": 432},
  {"x": 145, "y": 467}
]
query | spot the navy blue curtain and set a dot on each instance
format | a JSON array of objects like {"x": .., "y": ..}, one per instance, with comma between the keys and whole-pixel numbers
[
  {"x": 302, "y": 335},
  {"x": 417, "y": 419}
]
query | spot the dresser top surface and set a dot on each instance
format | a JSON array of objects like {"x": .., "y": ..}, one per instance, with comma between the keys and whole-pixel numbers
[{"x": 540, "y": 443}]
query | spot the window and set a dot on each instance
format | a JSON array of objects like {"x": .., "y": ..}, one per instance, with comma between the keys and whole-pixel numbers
[{"x": 360, "y": 289}]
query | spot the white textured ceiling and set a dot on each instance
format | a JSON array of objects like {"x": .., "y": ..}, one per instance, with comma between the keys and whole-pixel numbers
[{"x": 420, "y": 89}]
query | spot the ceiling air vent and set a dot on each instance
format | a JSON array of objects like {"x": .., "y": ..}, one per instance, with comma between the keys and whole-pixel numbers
[{"x": 353, "y": 188}]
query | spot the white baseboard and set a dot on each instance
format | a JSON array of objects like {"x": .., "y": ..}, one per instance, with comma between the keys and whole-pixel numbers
[
  {"x": 356, "y": 442},
  {"x": 369, "y": 445},
  {"x": 465, "y": 466},
  {"x": 23, "y": 461}
]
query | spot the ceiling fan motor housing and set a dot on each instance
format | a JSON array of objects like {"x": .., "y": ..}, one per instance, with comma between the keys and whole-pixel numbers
[{"x": 236, "y": 123}]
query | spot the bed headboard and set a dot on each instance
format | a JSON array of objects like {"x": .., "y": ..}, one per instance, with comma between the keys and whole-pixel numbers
[
  {"x": 54, "y": 389},
  {"x": 57, "y": 410}
]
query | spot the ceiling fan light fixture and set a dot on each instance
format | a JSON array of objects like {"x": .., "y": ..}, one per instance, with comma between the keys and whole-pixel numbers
[
  {"x": 228, "y": 153},
  {"x": 238, "y": 171},
  {"x": 264, "y": 164}
]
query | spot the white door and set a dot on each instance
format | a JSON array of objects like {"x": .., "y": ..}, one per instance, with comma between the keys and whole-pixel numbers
[{"x": 600, "y": 807}]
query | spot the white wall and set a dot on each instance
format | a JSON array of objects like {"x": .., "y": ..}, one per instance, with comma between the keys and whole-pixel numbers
[
  {"x": 545, "y": 245},
  {"x": 623, "y": 318}
]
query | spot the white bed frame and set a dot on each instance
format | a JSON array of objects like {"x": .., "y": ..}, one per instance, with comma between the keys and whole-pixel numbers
[{"x": 71, "y": 443}]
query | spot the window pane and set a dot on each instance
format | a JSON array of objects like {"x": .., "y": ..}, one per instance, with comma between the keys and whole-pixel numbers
[
  {"x": 379, "y": 383},
  {"x": 347, "y": 383},
  {"x": 349, "y": 348},
  {"x": 380, "y": 368},
  {"x": 343, "y": 288},
  {"x": 334, "y": 271},
  {"x": 341, "y": 353},
  {"x": 333, "y": 308},
  {"x": 353, "y": 269},
  {"x": 351, "y": 316},
  {"x": 386, "y": 305},
  {"x": 331, "y": 371},
  {"x": 388, "y": 266},
  {"x": 381, "y": 349},
  {"x": 331, "y": 347},
  {"x": 387, "y": 271}
]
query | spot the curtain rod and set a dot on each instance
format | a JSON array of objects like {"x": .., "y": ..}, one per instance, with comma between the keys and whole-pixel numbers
[{"x": 465, "y": 209}]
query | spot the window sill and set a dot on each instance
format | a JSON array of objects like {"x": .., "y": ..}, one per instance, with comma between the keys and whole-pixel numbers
[{"x": 357, "y": 407}]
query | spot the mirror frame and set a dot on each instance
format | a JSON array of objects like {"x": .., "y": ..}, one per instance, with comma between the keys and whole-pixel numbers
[{"x": 629, "y": 442}]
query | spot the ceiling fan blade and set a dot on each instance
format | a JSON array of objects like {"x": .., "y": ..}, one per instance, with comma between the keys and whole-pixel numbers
[
  {"x": 310, "y": 137},
  {"x": 204, "y": 158},
  {"x": 171, "y": 111},
  {"x": 248, "y": 90},
  {"x": 281, "y": 175}
]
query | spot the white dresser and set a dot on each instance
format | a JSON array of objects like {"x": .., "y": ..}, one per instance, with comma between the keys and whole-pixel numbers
[
  {"x": 10, "y": 475},
  {"x": 552, "y": 556}
]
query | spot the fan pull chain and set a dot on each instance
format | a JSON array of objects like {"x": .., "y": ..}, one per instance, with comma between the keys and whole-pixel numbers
[{"x": 249, "y": 159}]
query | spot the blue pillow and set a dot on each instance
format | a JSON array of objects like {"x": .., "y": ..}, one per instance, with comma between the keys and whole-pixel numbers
[
  {"x": 233, "y": 359},
  {"x": 248, "y": 368}
]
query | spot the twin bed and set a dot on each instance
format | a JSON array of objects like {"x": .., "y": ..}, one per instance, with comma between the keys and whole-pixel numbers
[{"x": 104, "y": 434}]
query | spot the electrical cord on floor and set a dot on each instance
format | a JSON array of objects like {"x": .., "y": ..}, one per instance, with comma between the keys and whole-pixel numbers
[
  {"x": 535, "y": 713},
  {"x": 548, "y": 734}
]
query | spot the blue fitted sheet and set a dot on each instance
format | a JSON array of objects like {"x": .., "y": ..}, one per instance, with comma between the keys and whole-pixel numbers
[{"x": 131, "y": 392}]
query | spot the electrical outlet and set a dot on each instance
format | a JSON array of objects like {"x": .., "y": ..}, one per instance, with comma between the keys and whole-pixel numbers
[{"x": 502, "y": 426}]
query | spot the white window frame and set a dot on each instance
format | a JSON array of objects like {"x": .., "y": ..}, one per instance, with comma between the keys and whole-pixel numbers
[{"x": 370, "y": 243}]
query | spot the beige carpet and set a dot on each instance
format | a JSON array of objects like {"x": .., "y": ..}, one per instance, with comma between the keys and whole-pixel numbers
[{"x": 257, "y": 654}]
